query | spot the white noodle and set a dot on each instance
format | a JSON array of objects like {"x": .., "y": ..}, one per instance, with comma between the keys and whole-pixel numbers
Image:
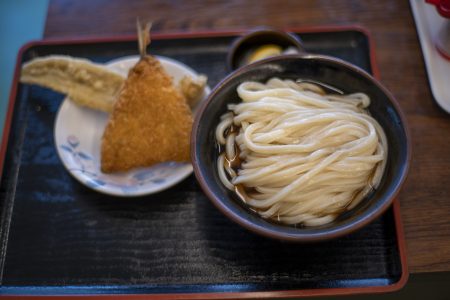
[{"x": 306, "y": 155}]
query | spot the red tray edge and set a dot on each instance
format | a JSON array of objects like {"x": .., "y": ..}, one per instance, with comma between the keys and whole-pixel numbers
[{"x": 225, "y": 295}]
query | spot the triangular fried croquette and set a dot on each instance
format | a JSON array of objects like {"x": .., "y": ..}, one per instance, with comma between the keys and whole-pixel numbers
[{"x": 150, "y": 122}]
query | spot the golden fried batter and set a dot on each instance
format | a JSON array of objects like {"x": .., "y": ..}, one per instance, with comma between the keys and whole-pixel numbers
[
  {"x": 150, "y": 122},
  {"x": 192, "y": 88}
]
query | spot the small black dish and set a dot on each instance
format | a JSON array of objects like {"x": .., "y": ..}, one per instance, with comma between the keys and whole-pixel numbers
[
  {"x": 328, "y": 70},
  {"x": 257, "y": 37}
]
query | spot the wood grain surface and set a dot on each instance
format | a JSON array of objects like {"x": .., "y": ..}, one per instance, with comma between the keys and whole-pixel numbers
[{"x": 424, "y": 199}]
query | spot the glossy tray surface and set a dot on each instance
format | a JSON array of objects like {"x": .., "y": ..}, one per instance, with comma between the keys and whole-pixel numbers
[{"x": 59, "y": 237}]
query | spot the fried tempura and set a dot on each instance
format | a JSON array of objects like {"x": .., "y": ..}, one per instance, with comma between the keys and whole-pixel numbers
[
  {"x": 150, "y": 122},
  {"x": 192, "y": 88},
  {"x": 86, "y": 83},
  {"x": 90, "y": 84}
]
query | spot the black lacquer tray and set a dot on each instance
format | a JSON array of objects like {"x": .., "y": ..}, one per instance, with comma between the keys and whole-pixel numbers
[{"x": 61, "y": 238}]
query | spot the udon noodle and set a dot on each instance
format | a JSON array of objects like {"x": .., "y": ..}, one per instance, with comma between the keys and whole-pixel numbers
[{"x": 298, "y": 155}]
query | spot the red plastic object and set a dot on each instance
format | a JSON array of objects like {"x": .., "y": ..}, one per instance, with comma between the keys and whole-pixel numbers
[{"x": 442, "y": 6}]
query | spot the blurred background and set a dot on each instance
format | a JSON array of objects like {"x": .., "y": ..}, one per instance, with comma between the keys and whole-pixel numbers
[{"x": 20, "y": 21}]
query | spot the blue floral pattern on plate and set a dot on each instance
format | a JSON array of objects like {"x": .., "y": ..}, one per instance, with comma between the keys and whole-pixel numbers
[{"x": 84, "y": 163}]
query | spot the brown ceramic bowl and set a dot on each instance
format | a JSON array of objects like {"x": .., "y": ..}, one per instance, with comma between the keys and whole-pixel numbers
[
  {"x": 256, "y": 37},
  {"x": 330, "y": 71}
]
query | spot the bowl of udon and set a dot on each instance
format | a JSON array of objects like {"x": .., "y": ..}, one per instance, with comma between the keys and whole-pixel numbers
[{"x": 300, "y": 147}]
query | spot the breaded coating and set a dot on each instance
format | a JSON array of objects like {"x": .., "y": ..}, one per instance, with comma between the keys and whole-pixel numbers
[
  {"x": 150, "y": 122},
  {"x": 86, "y": 83},
  {"x": 192, "y": 88}
]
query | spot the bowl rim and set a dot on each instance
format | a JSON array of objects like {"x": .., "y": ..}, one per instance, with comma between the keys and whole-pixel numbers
[{"x": 330, "y": 233}]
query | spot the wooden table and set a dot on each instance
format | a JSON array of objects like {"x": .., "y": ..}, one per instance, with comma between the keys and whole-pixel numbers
[{"x": 425, "y": 202}]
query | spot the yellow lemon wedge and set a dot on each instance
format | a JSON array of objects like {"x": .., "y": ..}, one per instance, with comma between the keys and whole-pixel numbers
[{"x": 264, "y": 52}]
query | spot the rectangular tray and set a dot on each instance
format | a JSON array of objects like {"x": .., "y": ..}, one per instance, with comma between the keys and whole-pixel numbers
[{"x": 61, "y": 238}]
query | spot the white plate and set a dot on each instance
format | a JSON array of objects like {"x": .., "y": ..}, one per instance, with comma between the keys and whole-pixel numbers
[
  {"x": 78, "y": 132},
  {"x": 428, "y": 22}
]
